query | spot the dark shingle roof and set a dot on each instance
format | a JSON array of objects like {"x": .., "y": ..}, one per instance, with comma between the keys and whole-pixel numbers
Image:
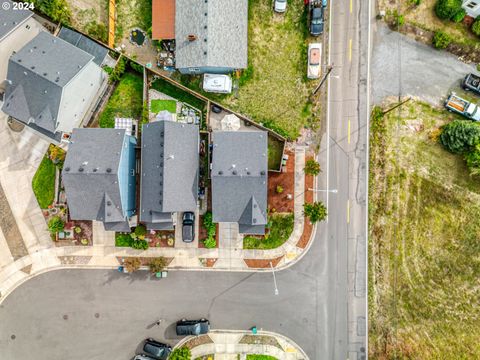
[
  {"x": 36, "y": 77},
  {"x": 11, "y": 19},
  {"x": 239, "y": 178},
  {"x": 221, "y": 30},
  {"x": 91, "y": 175},
  {"x": 169, "y": 176},
  {"x": 98, "y": 51}
]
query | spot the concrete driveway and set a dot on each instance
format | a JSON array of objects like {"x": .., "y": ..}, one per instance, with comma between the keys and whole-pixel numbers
[{"x": 402, "y": 65}]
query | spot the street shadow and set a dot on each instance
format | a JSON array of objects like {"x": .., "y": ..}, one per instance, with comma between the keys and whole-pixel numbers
[
  {"x": 140, "y": 275},
  {"x": 170, "y": 332}
]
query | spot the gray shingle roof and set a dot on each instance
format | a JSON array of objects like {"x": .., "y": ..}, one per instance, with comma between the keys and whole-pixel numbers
[
  {"x": 169, "y": 176},
  {"x": 91, "y": 175},
  {"x": 37, "y": 74},
  {"x": 221, "y": 29},
  {"x": 239, "y": 178},
  {"x": 11, "y": 19},
  {"x": 82, "y": 42}
]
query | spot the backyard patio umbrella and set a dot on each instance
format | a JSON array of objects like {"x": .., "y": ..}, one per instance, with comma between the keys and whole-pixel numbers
[
  {"x": 164, "y": 115},
  {"x": 230, "y": 122}
]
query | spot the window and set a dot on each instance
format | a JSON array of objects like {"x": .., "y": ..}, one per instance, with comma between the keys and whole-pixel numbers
[
  {"x": 27, "y": 27},
  {"x": 472, "y": 4}
]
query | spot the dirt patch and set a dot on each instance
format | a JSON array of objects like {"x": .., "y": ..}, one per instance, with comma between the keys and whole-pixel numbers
[
  {"x": 262, "y": 263},
  {"x": 260, "y": 339},
  {"x": 85, "y": 12},
  {"x": 307, "y": 225},
  {"x": 198, "y": 340},
  {"x": 85, "y": 233},
  {"x": 208, "y": 262},
  {"x": 285, "y": 183}
]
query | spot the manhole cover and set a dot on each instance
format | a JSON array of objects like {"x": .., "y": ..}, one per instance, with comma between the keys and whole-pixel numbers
[
  {"x": 13, "y": 337},
  {"x": 97, "y": 315},
  {"x": 65, "y": 317}
]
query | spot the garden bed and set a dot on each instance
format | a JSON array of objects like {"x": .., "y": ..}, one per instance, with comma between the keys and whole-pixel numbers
[
  {"x": 43, "y": 183},
  {"x": 280, "y": 202},
  {"x": 260, "y": 339},
  {"x": 262, "y": 263},
  {"x": 281, "y": 227},
  {"x": 307, "y": 225},
  {"x": 198, "y": 340}
]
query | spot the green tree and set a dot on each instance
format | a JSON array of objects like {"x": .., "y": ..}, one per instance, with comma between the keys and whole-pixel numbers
[
  {"x": 441, "y": 40},
  {"x": 132, "y": 264},
  {"x": 182, "y": 353},
  {"x": 57, "y": 10},
  {"x": 459, "y": 15},
  {"x": 315, "y": 212},
  {"x": 446, "y": 9},
  {"x": 311, "y": 167},
  {"x": 476, "y": 27},
  {"x": 56, "y": 224},
  {"x": 119, "y": 69},
  {"x": 157, "y": 264},
  {"x": 140, "y": 244},
  {"x": 460, "y": 136}
]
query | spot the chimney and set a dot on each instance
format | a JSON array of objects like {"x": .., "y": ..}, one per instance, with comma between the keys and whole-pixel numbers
[{"x": 192, "y": 37}]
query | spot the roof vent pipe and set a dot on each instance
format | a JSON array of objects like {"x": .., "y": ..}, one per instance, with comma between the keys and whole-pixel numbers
[{"x": 191, "y": 37}]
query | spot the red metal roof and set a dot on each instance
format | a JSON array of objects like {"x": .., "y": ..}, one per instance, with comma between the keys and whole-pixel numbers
[{"x": 163, "y": 19}]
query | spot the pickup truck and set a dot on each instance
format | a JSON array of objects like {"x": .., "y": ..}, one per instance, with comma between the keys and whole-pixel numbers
[
  {"x": 463, "y": 107},
  {"x": 472, "y": 82}
]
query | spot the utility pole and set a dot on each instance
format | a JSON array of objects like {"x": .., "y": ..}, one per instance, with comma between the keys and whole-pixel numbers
[{"x": 329, "y": 70}]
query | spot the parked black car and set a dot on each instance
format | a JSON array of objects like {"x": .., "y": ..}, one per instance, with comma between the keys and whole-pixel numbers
[
  {"x": 188, "y": 227},
  {"x": 157, "y": 349},
  {"x": 316, "y": 21},
  {"x": 193, "y": 327}
]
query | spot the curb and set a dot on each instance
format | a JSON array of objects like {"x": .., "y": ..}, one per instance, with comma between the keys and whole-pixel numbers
[{"x": 248, "y": 332}]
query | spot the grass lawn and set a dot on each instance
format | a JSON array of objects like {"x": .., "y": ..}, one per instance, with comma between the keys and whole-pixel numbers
[
  {"x": 126, "y": 100},
  {"x": 275, "y": 153},
  {"x": 260, "y": 357},
  {"x": 159, "y": 105},
  {"x": 424, "y": 252},
  {"x": 179, "y": 94},
  {"x": 43, "y": 183},
  {"x": 280, "y": 230}
]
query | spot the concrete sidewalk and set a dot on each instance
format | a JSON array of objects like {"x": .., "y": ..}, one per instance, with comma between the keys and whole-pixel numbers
[{"x": 228, "y": 344}]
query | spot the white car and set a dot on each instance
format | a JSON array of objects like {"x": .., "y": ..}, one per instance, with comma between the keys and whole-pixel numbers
[
  {"x": 314, "y": 63},
  {"x": 280, "y": 6}
]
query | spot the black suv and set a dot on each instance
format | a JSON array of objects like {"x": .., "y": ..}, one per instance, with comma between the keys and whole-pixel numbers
[
  {"x": 193, "y": 327},
  {"x": 316, "y": 21},
  {"x": 157, "y": 349},
  {"x": 188, "y": 227}
]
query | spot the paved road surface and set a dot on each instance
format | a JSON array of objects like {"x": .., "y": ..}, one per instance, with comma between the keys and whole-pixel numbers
[
  {"x": 95, "y": 314},
  {"x": 419, "y": 69}
]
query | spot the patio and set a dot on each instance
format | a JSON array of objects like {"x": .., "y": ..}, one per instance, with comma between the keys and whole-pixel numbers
[{"x": 161, "y": 105}]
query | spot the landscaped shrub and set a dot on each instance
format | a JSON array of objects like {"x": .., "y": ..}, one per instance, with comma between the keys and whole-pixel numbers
[
  {"x": 459, "y": 15},
  {"x": 279, "y": 189},
  {"x": 118, "y": 70},
  {"x": 315, "y": 212},
  {"x": 210, "y": 242},
  {"x": 398, "y": 19},
  {"x": 43, "y": 183},
  {"x": 140, "y": 230},
  {"x": 140, "y": 244},
  {"x": 132, "y": 264},
  {"x": 182, "y": 353},
  {"x": 157, "y": 264},
  {"x": 311, "y": 167},
  {"x": 473, "y": 161},
  {"x": 460, "y": 136},
  {"x": 77, "y": 229},
  {"x": 441, "y": 40},
  {"x": 97, "y": 31},
  {"x": 123, "y": 240},
  {"x": 57, "y": 10},
  {"x": 211, "y": 228},
  {"x": 446, "y": 9},
  {"x": 57, "y": 155},
  {"x": 56, "y": 224},
  {"x": 476, "y": 27}
]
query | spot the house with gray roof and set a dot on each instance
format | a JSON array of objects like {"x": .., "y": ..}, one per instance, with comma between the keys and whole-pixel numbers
[
  {"x": 239, "y": 179},
  {"x": 211, "y": 36},
  {"x": 169, "y": 172},
  {"x": 98, "y": 51},
  {"x": 17, "y": 27},
  {"x": 52, "y": 86},
  {"x": 99, "y": 177}
]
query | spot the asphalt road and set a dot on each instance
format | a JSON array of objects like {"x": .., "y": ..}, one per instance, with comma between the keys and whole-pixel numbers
[
  {"x": 96, "y": 314},
  {"x": 401, "y": 65}
]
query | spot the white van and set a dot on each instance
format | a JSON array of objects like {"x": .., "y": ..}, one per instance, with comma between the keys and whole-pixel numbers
[{"x": 217, "y": 83}]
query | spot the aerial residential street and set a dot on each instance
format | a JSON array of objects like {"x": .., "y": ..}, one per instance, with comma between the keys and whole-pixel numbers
[{"x": 321, "y": 305}]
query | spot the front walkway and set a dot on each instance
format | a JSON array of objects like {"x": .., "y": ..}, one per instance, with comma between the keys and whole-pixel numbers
[{"x": 228, "y": 344}]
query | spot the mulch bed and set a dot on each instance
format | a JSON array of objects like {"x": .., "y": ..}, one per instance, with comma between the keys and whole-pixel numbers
[
  {"x": 144, "y": 260},
  {"x": 262, "y": 263},
  {"x": 86, "y": 233},
  {"x": 280, "y": 202},
  {"x": 208, "y": 262},
  {"x": 198, "y": 340},
  {"x": 307, "y": 226},
  {"x": 160, "y": 238}
]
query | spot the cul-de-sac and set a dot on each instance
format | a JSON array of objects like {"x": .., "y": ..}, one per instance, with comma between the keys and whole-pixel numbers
[{"x": 239, "y": 179}]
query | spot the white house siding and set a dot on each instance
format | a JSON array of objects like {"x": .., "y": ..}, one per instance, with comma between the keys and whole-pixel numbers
[
  {"x": 78, "y": 95},
  {"x": 472, "y": 7},
  {"x": 15, "y": 41}
]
